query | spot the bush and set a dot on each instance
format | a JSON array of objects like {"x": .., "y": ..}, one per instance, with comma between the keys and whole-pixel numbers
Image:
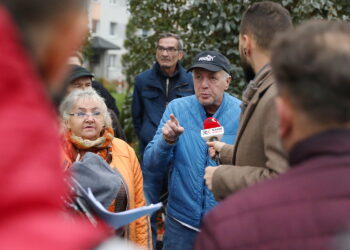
[{"x": 203, "y": 25}]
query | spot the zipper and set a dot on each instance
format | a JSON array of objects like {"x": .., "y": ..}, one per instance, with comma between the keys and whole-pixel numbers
[{"x": 167, "y": 91}]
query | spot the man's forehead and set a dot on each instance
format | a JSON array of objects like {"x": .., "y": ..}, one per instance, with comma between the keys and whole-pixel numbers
[
  {"x": 83, "y": 79},
  {"x": 168, "y": 42}
]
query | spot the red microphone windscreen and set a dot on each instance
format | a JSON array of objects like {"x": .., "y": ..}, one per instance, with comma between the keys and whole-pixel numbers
[{"x": 211, "y": 122}]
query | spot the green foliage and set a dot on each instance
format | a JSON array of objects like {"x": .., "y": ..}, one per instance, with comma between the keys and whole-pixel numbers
[
  {"x": 119, "y": 99},
  {"x": 86, "y": 48},
  {"x": 205, "y": 25}
]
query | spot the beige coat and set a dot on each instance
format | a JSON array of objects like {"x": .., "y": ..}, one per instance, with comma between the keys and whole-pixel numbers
[{"x": 257, "y": 154}]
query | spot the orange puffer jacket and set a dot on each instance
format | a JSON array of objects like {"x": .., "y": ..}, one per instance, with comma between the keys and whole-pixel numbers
[{"x": 125, "y": 161}]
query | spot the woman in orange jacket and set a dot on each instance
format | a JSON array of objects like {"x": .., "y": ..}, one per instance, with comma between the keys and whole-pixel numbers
[{"x": 88, "y": 129}]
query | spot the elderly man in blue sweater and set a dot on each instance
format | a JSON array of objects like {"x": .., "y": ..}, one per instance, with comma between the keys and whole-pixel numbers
[{"x": 178, "y": 147}]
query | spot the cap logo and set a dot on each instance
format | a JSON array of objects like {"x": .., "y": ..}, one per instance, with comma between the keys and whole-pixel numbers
[{"x": 208, "y": 58}]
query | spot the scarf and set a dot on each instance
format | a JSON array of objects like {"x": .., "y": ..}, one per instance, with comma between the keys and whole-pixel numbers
[
  {"x": 253, "y": 86},
  {"x": 75, "y": 147}
]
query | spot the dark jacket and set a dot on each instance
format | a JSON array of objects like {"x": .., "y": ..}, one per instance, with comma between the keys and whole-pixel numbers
[
  {"x": 301, "y": 209},
  {"x": 112, "y": 108},
  {"x": 150, "y": 99},
  {"x": 109, "y": 99}
]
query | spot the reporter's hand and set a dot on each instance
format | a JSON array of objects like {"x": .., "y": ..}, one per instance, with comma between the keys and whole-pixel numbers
[
  {"x": 208, "y": 176},
  {"x": 214, "y": 146},
  {"x": 172, "y": 130}
]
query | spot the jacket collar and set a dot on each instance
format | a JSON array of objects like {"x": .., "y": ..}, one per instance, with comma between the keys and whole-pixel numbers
[
  {"x": 263, "y": 81},
  {"x": 262, "y": 74},
  {"x": 159, "y": 71},
  {"x": 331, "y": 142},
  {"x": 218, "y": 111},
  {"x": 158, "y": 75}
]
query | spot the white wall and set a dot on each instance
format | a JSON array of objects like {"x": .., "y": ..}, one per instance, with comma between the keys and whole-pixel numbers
[{"x": 111, "y": 11}]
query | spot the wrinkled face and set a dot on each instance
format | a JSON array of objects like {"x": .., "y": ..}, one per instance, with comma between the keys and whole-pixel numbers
[
  {"x": 87, "y": 120},
  {"x": 248, "y": 70},
  {"x": 167, "y": 54},
  {"x": 209, "y": 87},
  {"x": 80, "y": 83}
]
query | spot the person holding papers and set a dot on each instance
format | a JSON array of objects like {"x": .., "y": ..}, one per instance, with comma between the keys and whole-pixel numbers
[{"x": 88, "y": 129}]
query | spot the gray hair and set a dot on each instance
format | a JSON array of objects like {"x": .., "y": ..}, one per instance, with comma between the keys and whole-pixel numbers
[
  {"x": 68, "y": 103},
  {"x": 180, "y": 44},
  {"x": 225, "y": 74}
]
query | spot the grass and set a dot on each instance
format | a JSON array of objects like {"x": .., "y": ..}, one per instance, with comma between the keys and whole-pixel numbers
[{"x": 119, "y": 99}]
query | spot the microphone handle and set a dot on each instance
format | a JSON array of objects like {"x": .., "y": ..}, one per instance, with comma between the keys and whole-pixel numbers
[{"x": 217, "y": 158}]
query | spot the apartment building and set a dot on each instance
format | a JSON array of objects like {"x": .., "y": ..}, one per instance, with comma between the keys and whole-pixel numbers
[{"x": 108, "y": 20}]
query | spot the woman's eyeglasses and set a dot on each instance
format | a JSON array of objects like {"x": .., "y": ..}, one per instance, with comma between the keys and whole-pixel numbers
[{"x": 84, "y": 114}]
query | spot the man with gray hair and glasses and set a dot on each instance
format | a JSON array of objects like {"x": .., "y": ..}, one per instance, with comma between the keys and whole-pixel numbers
[{"x": 154, "y": 89}]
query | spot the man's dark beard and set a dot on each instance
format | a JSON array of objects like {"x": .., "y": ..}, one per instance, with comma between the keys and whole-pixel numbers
[{"x": 248, "y": 71}]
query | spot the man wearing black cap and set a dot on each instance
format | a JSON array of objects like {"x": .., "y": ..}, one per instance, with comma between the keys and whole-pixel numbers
[
  {"x": 179, "y": 148},
  {"x": 79, "y": 78}
]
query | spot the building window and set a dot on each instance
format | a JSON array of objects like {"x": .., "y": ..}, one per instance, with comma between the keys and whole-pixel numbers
[
  {"x": 95, "y": 26},
  {"x": 113, "y": 29},
  {"x": 113, "y": 1},
  {"x": 112, "y": 61}
]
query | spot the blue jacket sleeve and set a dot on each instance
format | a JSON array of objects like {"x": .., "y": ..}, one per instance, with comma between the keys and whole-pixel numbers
[
  {"x": 136, "y": 107},
  {"x": 158, "y": 153}
]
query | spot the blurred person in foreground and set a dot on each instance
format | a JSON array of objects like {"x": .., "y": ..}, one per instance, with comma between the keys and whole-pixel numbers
[
  {"x": 306, "y": 207},
  {"x": 32, "y": 66},
  {"x": 88, "y": 129},
  {"x": 257, "y": 153},
  {"x": 178, "y": 148}
]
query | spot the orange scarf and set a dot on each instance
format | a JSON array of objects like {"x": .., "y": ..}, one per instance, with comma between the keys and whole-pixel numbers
[{"x": 75, "y": 146}]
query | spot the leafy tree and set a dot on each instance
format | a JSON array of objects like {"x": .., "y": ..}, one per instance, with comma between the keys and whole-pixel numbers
[{"x": 204, "y": 25}]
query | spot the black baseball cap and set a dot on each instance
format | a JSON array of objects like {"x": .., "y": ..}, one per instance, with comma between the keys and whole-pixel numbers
[
  {"x": 77, "y": 72},
  {"x": 211, "y": 60}
]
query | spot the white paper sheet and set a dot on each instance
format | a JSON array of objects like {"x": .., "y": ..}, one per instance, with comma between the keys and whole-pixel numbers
[{"x": 117, "y": 220}]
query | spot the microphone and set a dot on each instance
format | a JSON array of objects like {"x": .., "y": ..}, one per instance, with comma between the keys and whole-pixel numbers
[{"x": 212, "y": 132}]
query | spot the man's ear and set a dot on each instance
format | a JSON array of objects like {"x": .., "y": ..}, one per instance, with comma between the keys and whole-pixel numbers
[
  {"x": 228, "y": 81},
  {"x": 180, "y": 55},
  {"x": 285, "y": 115},
  {"x": 246, "y": 44}
]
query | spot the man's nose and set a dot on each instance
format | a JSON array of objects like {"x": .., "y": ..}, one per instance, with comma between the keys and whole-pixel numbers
[
  {"x": 84, "y": 87},
  {"x": 205, "y": 83},
  {"x": 165, "y": 52}
]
